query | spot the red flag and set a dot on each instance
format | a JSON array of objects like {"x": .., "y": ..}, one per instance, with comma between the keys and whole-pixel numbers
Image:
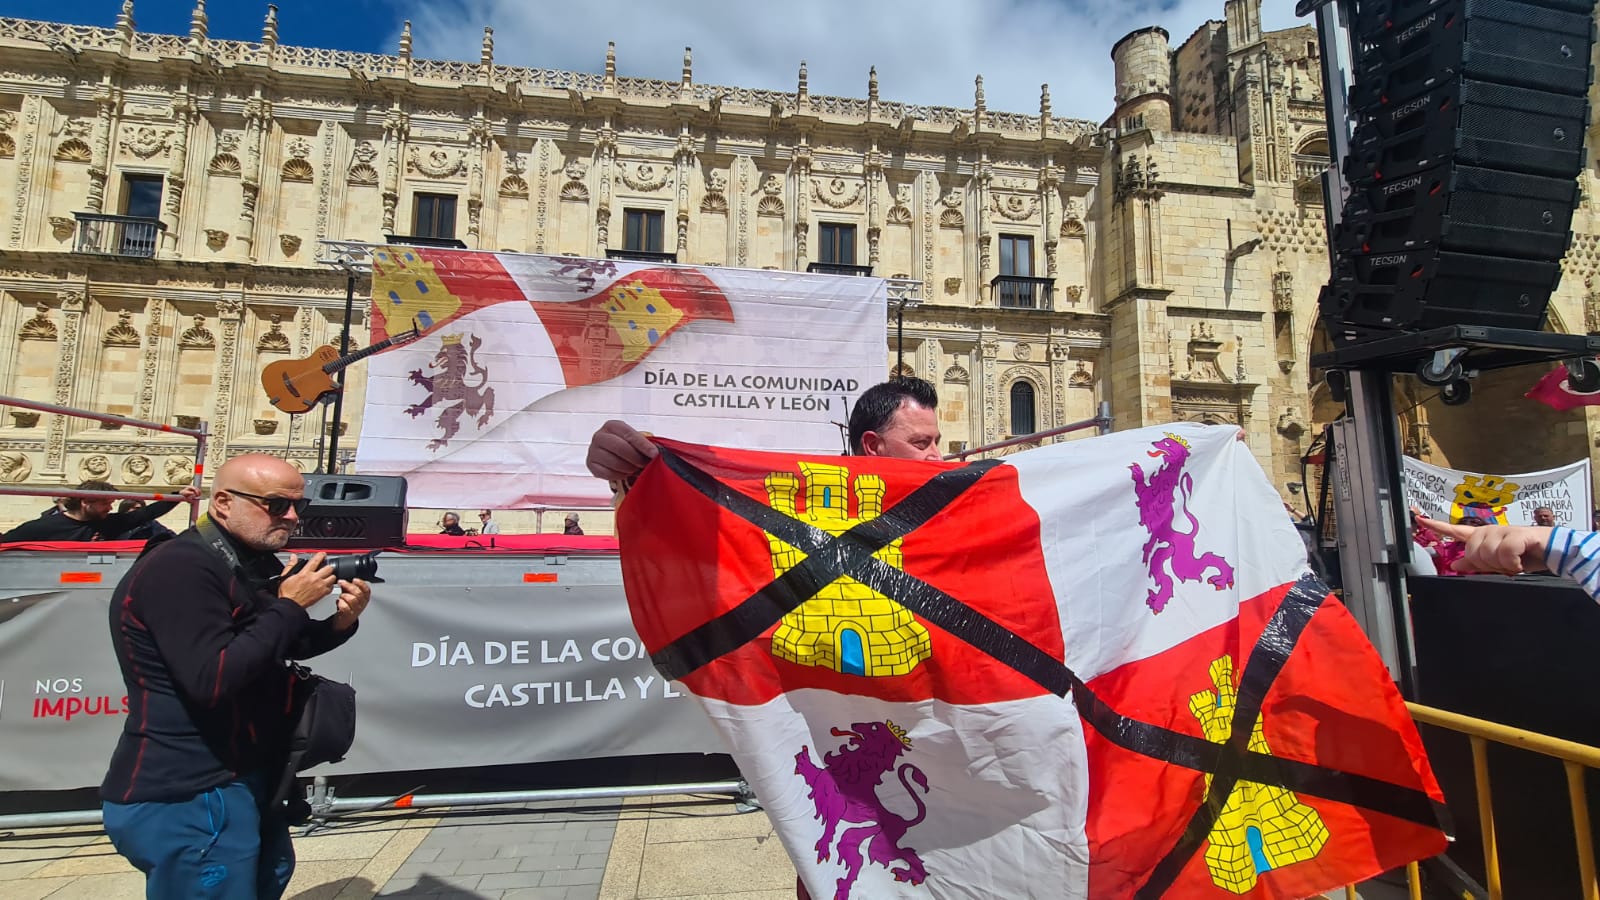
[
  {"x": 944, "y": 680},
  {"x": 1553, "y": 390},
  {"x": 596, "y": 338}
]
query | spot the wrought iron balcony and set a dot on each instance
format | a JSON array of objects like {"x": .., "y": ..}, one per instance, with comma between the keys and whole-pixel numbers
[
  {"x": 118, "y": 235},
  {"x": 838, "y": 269},
  {"x": 649, "y": 256},
  {"x": 1024, "y": 292}
]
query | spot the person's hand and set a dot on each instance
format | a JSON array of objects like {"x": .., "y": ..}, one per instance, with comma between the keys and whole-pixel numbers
[
  {"x": 353, "y": 599},
  {"x": 189, "y": 493},
  {"x": 308, "y": 586},
  {"x": 1509, "y": 549},
  {"x": 617, "y": 452}
]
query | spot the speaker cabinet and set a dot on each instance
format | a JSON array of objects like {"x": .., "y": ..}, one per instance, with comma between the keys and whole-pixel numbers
[
  {"x": 1470, "y": 117},
  {"x": 357, "y": 512}
]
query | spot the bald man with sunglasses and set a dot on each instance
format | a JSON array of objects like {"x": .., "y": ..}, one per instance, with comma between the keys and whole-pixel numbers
[{"x": 203, "y": 626}]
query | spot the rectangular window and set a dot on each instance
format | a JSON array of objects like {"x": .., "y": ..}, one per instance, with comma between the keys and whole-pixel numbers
[
  {"x": 836, "y": 244},
  {"x": 435, "y": 216},
  {"x": 142, "y": 199},
  {"x": 642, "y": 230},
  {"x": 1016, "y": 255}
]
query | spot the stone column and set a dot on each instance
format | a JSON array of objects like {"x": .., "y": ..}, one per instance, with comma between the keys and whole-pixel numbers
[
  {"x": 606, "y": 157},
  {"x": 230, "y": 312},
  {"x": 396, "y": 126},
  {"x": 257, "y": 124},
  {"x": 108, "y": 100},
  {"x": 988, "y": 429},
  {"x": 55, "y": 446}
]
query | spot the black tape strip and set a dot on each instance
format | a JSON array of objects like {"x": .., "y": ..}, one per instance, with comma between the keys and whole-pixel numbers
[
  {"x": 852, "y": 553},
  {"x": 827, "y": 557},
  {"x": 1267, "y": 659}
]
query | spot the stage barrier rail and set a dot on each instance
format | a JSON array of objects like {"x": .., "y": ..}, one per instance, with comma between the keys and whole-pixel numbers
[
  {"x": 1574, "y": 756},
  {"x": 201, "y": 434}
]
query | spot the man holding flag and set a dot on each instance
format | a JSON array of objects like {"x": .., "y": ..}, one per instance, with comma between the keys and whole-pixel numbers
[{"x": 972, "y": 680}]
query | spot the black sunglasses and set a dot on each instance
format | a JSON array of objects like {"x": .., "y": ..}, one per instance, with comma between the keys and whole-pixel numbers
[{"x": 276, "y": 506}]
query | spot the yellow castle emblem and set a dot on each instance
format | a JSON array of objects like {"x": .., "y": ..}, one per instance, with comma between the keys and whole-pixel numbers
[
  {"x": 1485, "y": 498},
  {"x": 408, "y": 289},
  {"x": 1261, "y": 827},
  {"x": 847, "y": 626},
  {"x": 641, "y": 316}
]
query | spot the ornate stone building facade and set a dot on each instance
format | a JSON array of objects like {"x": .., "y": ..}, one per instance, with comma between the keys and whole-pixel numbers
[{"x": 167, "y": 195}]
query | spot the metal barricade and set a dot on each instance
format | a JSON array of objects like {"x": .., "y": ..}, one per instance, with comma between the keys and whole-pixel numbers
[
  {"x": 200, "y": 433},
  {"x": 1479, "y": 732}
]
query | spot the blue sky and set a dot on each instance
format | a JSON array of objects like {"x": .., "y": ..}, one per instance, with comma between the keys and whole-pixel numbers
[{"x": 926, "y": 51}]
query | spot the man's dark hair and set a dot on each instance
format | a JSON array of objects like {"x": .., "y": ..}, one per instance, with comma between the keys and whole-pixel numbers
[
  {"x": 130, "y": 503},
  {"x": 73, "y": 504},
  {"x": 881, "y": 401}
]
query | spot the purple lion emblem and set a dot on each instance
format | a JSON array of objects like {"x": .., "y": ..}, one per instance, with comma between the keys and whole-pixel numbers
[
  {"x": 1157, "y": 498},
  {"x": 844, "y": 791}
]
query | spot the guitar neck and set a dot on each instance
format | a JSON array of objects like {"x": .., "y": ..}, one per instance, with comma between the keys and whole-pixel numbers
[{"x": 359, "y": 355}]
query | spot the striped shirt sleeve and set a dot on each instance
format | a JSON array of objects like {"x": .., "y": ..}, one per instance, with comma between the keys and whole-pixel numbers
[{"x": 1575, "y": 554}]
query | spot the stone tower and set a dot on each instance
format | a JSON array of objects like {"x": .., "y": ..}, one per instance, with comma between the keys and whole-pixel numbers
[{"x": 1144, "y": 81}]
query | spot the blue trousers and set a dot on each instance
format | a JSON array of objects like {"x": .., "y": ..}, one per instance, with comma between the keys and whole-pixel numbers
[{"x": 218, "y": 845}]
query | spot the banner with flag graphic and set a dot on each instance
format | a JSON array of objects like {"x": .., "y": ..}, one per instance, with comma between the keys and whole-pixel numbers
[
  {"x": 1095, "y": 669},
  {"x": 1555, "y": 391},
  {"x": 523, "y": 357}
]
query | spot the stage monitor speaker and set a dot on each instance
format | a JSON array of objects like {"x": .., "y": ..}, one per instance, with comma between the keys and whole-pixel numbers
[{"x": 356, "y": 512}]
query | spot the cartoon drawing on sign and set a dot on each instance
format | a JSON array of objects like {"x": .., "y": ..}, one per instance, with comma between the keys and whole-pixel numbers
[
  {"x": 449, "y": 390},
  {"x": 1485, "y": 499},
  {"x": 844, "y": 792},
  {"x": 846, "y": 626},
  {"x": 1157, "y": 497},
  {"x": 1261, "y": 827}
]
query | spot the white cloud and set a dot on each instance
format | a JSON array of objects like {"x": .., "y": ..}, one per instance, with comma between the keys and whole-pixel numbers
[{"x": 926, "y": 51}]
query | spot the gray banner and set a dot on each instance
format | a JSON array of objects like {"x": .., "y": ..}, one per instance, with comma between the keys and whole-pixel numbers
[{"x": 459, "y": 662}]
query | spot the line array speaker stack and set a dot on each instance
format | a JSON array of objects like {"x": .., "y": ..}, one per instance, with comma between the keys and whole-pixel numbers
[{"x": 1470, "y": 121}]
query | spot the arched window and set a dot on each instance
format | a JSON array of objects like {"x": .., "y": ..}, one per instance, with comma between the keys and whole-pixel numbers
[{"x": 1022, "y": 418}]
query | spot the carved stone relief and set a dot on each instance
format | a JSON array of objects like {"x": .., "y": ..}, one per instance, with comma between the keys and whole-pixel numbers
[
  {"x": 290, "y": 243},
  {"x": 216, "y": 238},
  {"x": 197, "y": 337},
  {"x": 956, "y": 375},
  {"x": 513, "y": 186},
  {"x": 74, "y": 150},
  {"x": 225, "y": 165},
  {"x": 121, "y": 334},
  {"x": 96, "y": 466},
  {"x": 38, "y": 328},
  {"x": 574, "y": 187},
  {"x": 136, "y": 469},
  {"x": 145, "y": 142},
  {"x": 362, "y": 171},
  {"x": 178, "y": 469},
  {"x": 836, "y": 193},
  {"x": 1016, "y": 207},
  {"x": 1082, "y": 378},
  {"x": 298, "y": 170},
  {"x": 274, "y": 341},
  {"x": 771, "y": 203},
  {"x": 644, "y": 177},
  {"x": 437, "y": 162},
  {"x": 15, "y": 467}
]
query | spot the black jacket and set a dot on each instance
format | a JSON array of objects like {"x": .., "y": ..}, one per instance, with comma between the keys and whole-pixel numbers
[
  {"x": 65, "y": 528},
  {"x": 202, "y": 652}
]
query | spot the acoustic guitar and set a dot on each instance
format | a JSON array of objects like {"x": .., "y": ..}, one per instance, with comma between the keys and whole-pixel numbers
[{"x": 297, "y": 385}]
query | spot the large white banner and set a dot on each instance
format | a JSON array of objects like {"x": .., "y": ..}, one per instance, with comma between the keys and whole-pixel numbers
[
  {"x": 523, "y": 357},
  {"x": 1449, "y": 494}
]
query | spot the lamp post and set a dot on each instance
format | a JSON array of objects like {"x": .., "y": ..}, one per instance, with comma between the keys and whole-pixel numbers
[{"x": 902, "y": 293}]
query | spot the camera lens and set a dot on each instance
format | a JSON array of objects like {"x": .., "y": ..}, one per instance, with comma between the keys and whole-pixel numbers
[{"x": 365, "y": 566}]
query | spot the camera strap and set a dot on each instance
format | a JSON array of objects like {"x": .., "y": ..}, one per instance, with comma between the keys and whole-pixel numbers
[{"x": 217, "y": 542}]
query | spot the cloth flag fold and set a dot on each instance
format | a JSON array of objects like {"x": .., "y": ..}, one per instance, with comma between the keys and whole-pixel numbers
[
  {"x": 522, "y": 357},
  {"x": 1096, "y": 669}
]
